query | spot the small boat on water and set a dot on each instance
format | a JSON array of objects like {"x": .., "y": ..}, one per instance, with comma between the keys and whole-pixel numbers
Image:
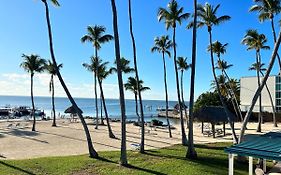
[{"x": 20, "y": 111}]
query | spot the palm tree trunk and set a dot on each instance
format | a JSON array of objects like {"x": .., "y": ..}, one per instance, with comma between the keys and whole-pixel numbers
[
  {"x": 184, "y": 140},
  {"x": 96, "y": 95},
  {"x": 110, "y": 133},
  {"x": 137, "y": 78},
  {"x": 137, "y": 109},
  {"x": 166, "y": 95},
  {"x": 123, "y": 157},
  {"x": 32, "y": 102},
  {"x": 274, "y": 37},
  {"x": 92, "y": 151},
  {"x": 182, "y": 98},
  {"x": 258, "y": 91},
  {"x": 53, "y": 101},
  {"x": 272, "y": 104},
  {"x": 260, "y": 103},
  {"x": 231, "y": 123},
  {"x": 191, "y": 153},
  {"x": 101, "y": 104}
]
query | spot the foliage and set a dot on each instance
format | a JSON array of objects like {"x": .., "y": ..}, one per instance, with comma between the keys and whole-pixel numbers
[{"x": 207, "y": 99}]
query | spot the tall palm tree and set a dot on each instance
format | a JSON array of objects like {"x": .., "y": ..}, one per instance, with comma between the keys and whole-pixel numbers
[
  {"x": 123, "y": 156},
  {"x": 183, "y": 66},
  {"x": 218, "y": 48},
  {"x": 124, "y": 66},
  {"x": 32, "y": 64},
  {"x": 172, "y": 16},
  {"x": 97, "y": 37},
  {"x": 162, "y": 45},
  {"x": 258, "y": 91},
  {"x": 132, "y": 86},
  {"x": 260, "y": 67},
  {"x": 268, "y": 9},
  {"x": 50, "y": 68},
  {"x": 255, "y": 41},
  {"x": 103, "y": 73},
  {"x": 191, "y": 152},
  {"x": 207, "y": 15},
  {"x": 137, "y": 76},
  {"x": 91, "y": 149}
]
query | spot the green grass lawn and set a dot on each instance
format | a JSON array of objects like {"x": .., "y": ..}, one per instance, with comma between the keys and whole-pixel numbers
[{"x": 211, "y": 160}]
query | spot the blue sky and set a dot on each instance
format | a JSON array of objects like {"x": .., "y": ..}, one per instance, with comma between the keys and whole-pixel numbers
[{"x": 23, "y": 30}]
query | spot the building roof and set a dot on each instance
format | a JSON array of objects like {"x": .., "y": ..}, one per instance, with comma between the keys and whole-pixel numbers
[{"x": 267, "y": 146}]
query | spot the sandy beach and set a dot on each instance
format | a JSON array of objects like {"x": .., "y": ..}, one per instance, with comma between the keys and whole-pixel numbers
[{"x": 18, "y": 142}]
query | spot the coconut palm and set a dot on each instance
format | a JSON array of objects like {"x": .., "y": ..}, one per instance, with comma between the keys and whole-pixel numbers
[
  {"x": 132, "y": 86},
  {"x": 162, "y": 45},
  {"x": 255, "y": 41},
  {"x": 123, "y": 156},
  {"x": 183, "y": 66},
  {"x": 218, "y": 48},
  {"x": 172, "y": 16},
  {"x": 260, "y": 67},
  {"x": 50, "y": 68},
  {"x": 124, "y": 66},
  {"x": 267, "y": 10},
  {"x": 32, "y": 64},
  {"x": 91, "y": 149},
  {"x": 191, "y": 153},
  {"x": 97, "y": 37},
  {"x": 103, "y": 73},
  {"x": 207, "y": 15}
]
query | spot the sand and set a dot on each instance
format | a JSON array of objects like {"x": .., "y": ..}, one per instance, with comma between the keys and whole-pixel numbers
[{"x": 18, "y": 142}]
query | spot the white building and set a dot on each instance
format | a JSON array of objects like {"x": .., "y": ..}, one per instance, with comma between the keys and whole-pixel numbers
[{"x": 248, "y": 88}]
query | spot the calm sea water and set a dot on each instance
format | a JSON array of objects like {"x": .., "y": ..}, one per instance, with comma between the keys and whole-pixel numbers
[{"x": 87, "y": 105}]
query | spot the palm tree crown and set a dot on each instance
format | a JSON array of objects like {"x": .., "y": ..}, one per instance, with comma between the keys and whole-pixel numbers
[
  {"x": 51, "y": 69},
  {"x": 94, "y": 64},
  {"x": 125, "y": 66},
  {"x": 266, "y": 8},
  {"x": 223, "y": 65},
  {"x": 131, "y": 85},
  {"x": 33, "y": 63},
  {"x": 218, "y": 48},
  {"x": 258, "y": 66},
  {"x": 162, "y": 45},
  {"x": 54, "y": 2},
  {"x": 254, "y": 40},
  {"x": 172, "y": 15},
  {"x": 95, "y": 36},
  {"x": 182, "y": 64}
]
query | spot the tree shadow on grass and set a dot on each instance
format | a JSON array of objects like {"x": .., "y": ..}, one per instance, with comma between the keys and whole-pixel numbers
[
  {"x": 16, "y": 168},
  {"x": 144, "y": 170}
]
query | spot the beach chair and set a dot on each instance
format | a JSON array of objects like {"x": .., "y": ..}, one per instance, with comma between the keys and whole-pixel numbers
[{"x": 135, "y": 146}]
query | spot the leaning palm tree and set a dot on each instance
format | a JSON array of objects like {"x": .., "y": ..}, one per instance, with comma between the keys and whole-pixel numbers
[
  {"x": 172, "y": 16},
  {"x": 97, "y": 37},
  {"x": 50, "y": 68},
  {"x": 132, "y": 86},
  {"x": 208, "y": 17},
  {"x": 183, "y": 66},
  {"x": 191, "y": 153},
  {"x": 162, "y": 45},
  {"x": 103, "y": 73},
  {"x": 268, "y": 9},
  {"x": 123, "y": 156},
  {"x": 91, "y": 149},
  {"x": 32, "y": 64},
  {"x": 260, "y": 67},
  {"x": 255, "y": 41}
]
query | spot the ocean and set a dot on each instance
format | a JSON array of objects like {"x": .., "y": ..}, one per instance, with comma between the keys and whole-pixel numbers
[{"x": 88, "y": 106}]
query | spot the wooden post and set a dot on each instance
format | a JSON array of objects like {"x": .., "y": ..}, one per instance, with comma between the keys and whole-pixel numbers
[
  {"x": 223, "y": 128},
  {"x": 250, "y": 165},
  {"x": 202, "y": 129},
  {"x": 213, "y": 130},
  {"x": 230, "y": 164},
  {"x": 264, "y": 165}
]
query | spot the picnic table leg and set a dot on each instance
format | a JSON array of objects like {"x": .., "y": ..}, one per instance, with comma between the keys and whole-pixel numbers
[
  {"x": 202, "y": 128},
  {"x": 230, "y": 164},
  {"x": 223, "y": 128},
  {"x": 213, "y": 130}
]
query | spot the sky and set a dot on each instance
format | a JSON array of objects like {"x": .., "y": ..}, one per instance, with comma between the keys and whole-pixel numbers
[{"x": 24, "y": 31}]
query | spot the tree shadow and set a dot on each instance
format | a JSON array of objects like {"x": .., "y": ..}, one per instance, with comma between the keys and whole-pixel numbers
[
  {"x": 16, "y": 168},
  {"x": 144, "y": 170},
  {"x": 29, "y": 135}
]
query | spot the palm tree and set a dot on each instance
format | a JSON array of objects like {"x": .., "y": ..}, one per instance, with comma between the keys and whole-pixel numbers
[
  {"x": 255, "y": 41},
  {"x": 218, "y": 48},
  {"x": 124, "y": 66},
  {"x": 91, "y": 149},
  {"x": 172, "y": 16},
  {"x": 32, "y": 64},
  {"x": 103, "y": 73},
  {"x": 97, "y": 37},
  {"x": 268, "y": 9},
  {"x": 191, "y": 153},
  {"x": 208, "y": 17},
  {"x": 52, "y": 71},
  {"x": 132, "y": 86},
  {"x": 183, "y": 66},
  {"x": 162, "y": 45},
  {"x": 260, "y": 67},
  {"x": 123, "y": 156},
  {"x": 258, "y": 91}
]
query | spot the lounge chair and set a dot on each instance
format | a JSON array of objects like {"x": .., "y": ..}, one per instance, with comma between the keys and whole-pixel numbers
[{"x": 135, "y": 146}]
